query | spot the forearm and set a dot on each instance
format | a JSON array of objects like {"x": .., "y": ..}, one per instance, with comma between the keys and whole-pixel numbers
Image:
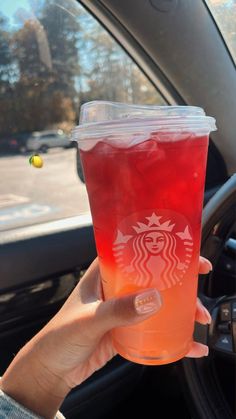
[{"x": 30, "y": 384}]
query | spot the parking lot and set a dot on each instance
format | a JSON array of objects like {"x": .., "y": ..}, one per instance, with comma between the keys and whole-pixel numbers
[{"x": 29, "y": 195}]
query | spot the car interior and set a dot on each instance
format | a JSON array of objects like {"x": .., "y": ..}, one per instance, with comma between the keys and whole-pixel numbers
[{"x": 183, "y": 53}]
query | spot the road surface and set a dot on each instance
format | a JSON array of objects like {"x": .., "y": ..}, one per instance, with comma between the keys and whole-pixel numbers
[{"x": 29, "y": 195}]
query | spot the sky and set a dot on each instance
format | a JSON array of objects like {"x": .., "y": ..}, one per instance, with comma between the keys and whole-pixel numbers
[
  {"x": 221, "y": 2},
  {"x": 9, "y": 7}
]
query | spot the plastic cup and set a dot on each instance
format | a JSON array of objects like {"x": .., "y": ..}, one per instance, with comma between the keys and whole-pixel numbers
[{"x": 144, "y": 169}]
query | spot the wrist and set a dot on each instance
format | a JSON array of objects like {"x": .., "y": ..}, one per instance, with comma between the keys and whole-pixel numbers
[{"x": 33, "y": 385}]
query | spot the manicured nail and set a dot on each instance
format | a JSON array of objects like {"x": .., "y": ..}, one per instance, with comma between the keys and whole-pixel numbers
[
  {"x": 147, "y": 302},
  {"x": 207, "y": 264},
  {"x": 206, "y": 351},
  {"x": 207, "y": 315}
]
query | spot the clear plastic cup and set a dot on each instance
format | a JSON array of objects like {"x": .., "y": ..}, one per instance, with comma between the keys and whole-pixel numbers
[{"x": 144, "y": 169}]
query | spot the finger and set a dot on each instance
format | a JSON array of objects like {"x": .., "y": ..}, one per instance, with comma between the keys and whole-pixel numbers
[
  {"x": 88, "y": 289},
  {"x": 103, "y": 353},
  {"x": 126, "y": 310},
  {"x": 198, "y": 350},
  {"x": 205, "y": 265},
  {"x": 202, "y": 314}
]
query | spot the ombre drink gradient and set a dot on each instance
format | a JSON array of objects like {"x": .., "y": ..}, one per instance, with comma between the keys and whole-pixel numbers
[{"x": 144, "y": 169}]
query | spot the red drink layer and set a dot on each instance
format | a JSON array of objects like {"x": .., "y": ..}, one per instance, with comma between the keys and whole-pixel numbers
[{"x": 146, "y": 204}]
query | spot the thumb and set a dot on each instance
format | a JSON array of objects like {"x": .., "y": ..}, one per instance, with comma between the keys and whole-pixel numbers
[{"x": 126, "y": 310}]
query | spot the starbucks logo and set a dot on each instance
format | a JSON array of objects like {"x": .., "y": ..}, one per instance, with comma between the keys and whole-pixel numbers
[{"x": 154, "y": 250}]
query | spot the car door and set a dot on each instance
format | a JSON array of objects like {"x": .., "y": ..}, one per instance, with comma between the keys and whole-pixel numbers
[
  {"x": 59, "y": 56},
  {"x": 49, "y": 140},
  {"x": 63, "y": 140}
]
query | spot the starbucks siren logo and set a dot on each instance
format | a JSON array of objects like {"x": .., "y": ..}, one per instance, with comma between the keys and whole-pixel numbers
[{"x": 155, "y": 253}]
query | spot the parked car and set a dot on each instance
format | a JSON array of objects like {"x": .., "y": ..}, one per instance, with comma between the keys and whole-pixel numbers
[
  {"x": 8, "y": 145},
  {"x": 186, "y": 51},
  {"x": 43, "y": 140},
  {"x": 14, "y": 143},
  {"x": 20, "y": 139}
]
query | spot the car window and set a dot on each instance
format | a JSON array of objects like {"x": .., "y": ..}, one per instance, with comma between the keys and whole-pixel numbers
[
  {"x": 224, "y": 12},
  {"x": 48, "y": 136},
  {"x": 54, "y": 56}
]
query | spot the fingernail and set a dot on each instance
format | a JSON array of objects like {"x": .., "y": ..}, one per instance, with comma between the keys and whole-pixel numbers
[
  {"x": 147, "y": 302},
  {"x": 207, "y": 264},
  {"x": 207, "y": 315},
  {"x": 206, "y": 351}
]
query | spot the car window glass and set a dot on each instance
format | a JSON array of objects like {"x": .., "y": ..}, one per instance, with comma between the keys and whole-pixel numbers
[
  {"x": 48, "y": 136},
  {"x": 54, "y": 56},
  {"x": 224, "y": 12}
]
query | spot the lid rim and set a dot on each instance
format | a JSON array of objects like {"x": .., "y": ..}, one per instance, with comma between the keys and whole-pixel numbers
[
  {"x": 132, "y": 105},
  {"x": 105, "y": 118},
  {"x": 96, "y": 130},
  {"x": 102, "y": 111}
]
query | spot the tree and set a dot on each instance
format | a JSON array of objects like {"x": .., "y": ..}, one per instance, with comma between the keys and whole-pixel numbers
[
  {"x": 45, "y": 51},
  {"x": 59, "y": 57},
  {"x": 111, "y": 74},
  {"x": 5, "y": 55},
  {"x": 61, "y": 23},
  {"x": 8, "y": 73}
]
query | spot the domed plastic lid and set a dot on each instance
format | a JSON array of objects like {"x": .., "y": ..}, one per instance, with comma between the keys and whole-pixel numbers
[{"x": 111, "y": 120}]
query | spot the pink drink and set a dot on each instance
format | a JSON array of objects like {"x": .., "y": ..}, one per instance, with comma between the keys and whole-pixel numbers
[{"x": 146, "y": 204}]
